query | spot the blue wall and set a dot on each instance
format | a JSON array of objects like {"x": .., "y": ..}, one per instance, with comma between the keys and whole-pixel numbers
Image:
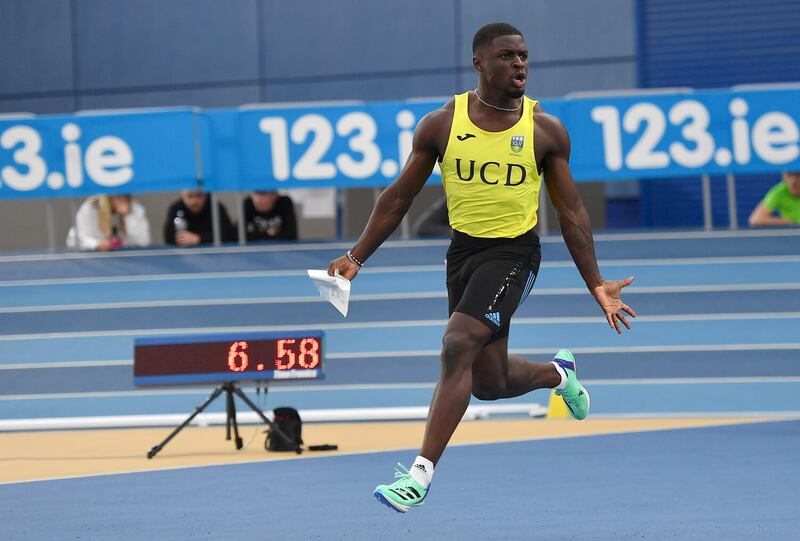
[
  {"x": 68, "y": 55},
  {"x": 708, "y": 44},
  {"x": 718, "y": 43}
]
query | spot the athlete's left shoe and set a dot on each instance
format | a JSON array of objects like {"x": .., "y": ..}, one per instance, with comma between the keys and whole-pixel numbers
[
  {"x": 403, "y": 494},
  {"x": 575, "y": 396}
]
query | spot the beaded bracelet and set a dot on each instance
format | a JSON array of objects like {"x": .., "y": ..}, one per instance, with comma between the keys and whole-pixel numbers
[{"x": 352, "y": 258}]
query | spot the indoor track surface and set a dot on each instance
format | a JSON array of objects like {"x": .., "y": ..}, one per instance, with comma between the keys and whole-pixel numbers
[{"x": 693, "y": 431}]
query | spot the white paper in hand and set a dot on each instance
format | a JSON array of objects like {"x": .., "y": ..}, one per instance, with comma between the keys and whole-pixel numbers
[{"x": 334, "y": 289}]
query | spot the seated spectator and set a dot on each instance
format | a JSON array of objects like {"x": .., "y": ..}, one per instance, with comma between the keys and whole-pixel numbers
[
  {"x": 269, "y": 216},
  {"x": 783, "y": 199},
  {"x": 434, "y": 222},
  {"x": 109, "y": 222},
  {"x": 189, "y": 221}
]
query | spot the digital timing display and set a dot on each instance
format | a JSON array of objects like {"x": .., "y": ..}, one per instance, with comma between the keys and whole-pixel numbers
[{"x": 220, "y": 358}]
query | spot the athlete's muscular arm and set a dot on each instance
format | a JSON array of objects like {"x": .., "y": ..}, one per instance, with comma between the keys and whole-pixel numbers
[
  {"x": 574, "y": 222},
  {"x": 572, "y": 216},
  {"x": 396, "y": 199}
]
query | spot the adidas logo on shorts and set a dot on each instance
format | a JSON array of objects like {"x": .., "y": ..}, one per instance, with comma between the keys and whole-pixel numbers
[{"x": 494, "y": 317}]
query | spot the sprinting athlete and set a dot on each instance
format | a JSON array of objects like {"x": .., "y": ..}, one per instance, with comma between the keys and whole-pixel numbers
[{"x": 494, "y": 146}]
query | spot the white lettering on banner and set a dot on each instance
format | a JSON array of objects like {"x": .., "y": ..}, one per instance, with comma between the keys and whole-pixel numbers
[
  {"x": 310, "y": 165},
  {"x": 642, "y": 155},
  {"x": 72, "y": 155},
  {"x": 608, "y": 117},
  {"x": 740, "y": 131},
  {"x": 695, "y": 131},
  {"x": 27, "y": 156},
  {"x": 105, "y": 154},
  {"x": 774, "y": 137},
  {"x": 360, "y": 131},
  {"x": 359, "y": 128},
  {"x": 107, "y": 161},
  {"x": 363, "y": 143},
  {"x": 275, "y": 127}
]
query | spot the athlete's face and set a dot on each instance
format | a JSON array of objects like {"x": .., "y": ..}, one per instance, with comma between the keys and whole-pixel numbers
[{"x": 504, "y": 64}]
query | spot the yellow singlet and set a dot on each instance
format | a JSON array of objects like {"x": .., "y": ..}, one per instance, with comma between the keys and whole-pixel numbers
[{"x": 491, "y": 179}]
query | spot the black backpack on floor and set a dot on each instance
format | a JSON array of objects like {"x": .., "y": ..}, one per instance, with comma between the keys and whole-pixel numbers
[{"x": 288, "y": 421}]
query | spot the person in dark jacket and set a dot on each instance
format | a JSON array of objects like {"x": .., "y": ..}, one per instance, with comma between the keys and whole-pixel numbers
[
  {"x": 189, "y": 221},
  {"x": 269, "y": 216}
]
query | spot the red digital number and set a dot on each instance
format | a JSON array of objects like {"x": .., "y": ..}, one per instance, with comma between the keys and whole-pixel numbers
[
  {"x": 309, "y": 353},
  {"x": 284, "y": 351},
  {"x": 237, "y": 351}
]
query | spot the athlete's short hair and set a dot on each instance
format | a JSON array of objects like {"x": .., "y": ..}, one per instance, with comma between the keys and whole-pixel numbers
[{"x": 485, "y": 35}]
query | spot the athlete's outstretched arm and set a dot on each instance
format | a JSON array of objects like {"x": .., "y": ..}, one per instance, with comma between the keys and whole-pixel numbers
[
  {"x": 576, "y": 227},
  {"x": 395, "y": 200}
]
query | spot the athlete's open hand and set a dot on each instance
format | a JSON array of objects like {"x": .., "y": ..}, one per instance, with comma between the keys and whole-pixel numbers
[
  {"x": 347, "y": 269},
  {"x": 607, "y": 296}
]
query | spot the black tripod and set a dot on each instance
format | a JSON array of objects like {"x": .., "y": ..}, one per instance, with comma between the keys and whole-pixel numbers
[{"x": 230, "y": 388}]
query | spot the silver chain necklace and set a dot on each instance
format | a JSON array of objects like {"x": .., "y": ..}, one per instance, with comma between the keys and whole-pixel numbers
[{"x": 495, "y": 106}]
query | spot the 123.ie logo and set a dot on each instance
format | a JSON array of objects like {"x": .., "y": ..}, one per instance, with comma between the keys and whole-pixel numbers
[{"x": 107, "y": 160}]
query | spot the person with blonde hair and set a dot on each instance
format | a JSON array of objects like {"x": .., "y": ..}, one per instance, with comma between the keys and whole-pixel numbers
[{"x": 109, "y": 222}]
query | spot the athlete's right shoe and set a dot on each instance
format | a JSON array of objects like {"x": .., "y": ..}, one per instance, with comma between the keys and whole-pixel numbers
[
  {"x": 575, "y": 396},
  {"x": 403, "y": 494}
]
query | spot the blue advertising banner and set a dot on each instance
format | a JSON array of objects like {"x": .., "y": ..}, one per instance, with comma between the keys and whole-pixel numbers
[
  {"x": 613, "y": 138},
  {"x": 57, "y": 156},
  {"x": 679, "y": 135},
  {"x": 343, "y": 146},
  {"x": 645, "y": 135}
]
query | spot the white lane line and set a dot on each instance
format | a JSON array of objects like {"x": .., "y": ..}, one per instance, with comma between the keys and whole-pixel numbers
[
  {"x": 214, "y": 330},
  {"x": 226, "y": 250},
  {"x": 148, "y": 278},
  {"x": 381, "y": 297},
  {"x": 322, "y": 388},
  {"x": 65, "y": 364},
  {"x": 390, "y": 324},
  {"x": 772, "y": 416},
  {"x": 415, "y": 243},
  {"x": 206, "y": 391},
  {"x": 684, "y": 235},
  {"x": 691, "y": 261},
  {"x": 788, "y": 346},
  {"x": 695, "y": 381},
  {"x": 105, "y": 394},
  {"x": 202, "y": 276},
  {"x": 715, "y": 288},
  {"x": 223, "y": 302},
  {"x": 688, "y": 261}
]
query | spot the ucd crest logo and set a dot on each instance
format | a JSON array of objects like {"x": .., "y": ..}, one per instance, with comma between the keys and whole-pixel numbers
[{"x": 517, "y": 142}]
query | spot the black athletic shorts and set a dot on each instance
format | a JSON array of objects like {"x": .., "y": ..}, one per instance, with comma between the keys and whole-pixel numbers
[{"x": 489, "y": 278}]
